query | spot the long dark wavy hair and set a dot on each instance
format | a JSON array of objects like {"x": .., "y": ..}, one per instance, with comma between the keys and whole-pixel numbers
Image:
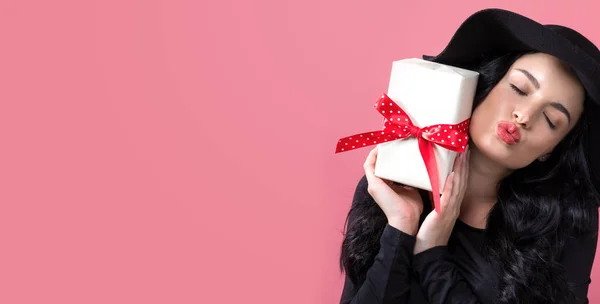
[{"x": 538, "y": 208}]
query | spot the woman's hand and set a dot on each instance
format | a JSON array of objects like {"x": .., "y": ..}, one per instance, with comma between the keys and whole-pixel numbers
[
  {"x": 436, "y": 228},
  {"x": 402, "y": 205}
]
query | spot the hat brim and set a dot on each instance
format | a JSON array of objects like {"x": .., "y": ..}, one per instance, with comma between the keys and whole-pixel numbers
[{"x": 493, "y": 31}]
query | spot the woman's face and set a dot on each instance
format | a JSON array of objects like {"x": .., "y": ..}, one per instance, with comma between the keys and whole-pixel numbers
[{"x": 528, "y": 112}]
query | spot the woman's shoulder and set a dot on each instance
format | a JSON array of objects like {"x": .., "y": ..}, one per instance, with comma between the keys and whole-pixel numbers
[
  {"x": 587, "y": 224},
  {"x": 583, "y": 239}
]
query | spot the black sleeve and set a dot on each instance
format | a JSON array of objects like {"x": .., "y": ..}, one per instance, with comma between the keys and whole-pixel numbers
[
  {"x": 388, "y": 279},
  {"x": 440, "y": 279},
  {"x": 578, "y": 258}
]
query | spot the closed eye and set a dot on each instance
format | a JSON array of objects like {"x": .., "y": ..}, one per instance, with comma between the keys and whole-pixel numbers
[
  {"x": 552, "y": 126},
  {"x": 517, "y": 90}
]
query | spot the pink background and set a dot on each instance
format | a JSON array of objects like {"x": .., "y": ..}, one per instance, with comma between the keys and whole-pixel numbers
[{"x": 183, "y": 151}]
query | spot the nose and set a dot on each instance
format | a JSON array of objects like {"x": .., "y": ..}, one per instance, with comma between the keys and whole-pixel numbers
[{"x": 521, "y": 118}]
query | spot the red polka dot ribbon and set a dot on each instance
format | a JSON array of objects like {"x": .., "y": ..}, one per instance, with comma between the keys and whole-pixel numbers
[{"x": 397, "y": 125}]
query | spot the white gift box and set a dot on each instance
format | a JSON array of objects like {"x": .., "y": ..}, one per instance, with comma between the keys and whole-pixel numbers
[{"x": 431, "y": 94}]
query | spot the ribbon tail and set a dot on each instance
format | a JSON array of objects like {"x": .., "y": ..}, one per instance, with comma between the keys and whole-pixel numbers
[{"x": 428, "y": 155}]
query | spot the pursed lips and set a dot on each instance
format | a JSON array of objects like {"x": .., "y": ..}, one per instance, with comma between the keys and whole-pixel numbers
[{"x": 508, "y": 132}]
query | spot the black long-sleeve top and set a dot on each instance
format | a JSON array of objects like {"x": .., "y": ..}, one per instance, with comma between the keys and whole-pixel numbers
[{"x": 456, "y": 273}]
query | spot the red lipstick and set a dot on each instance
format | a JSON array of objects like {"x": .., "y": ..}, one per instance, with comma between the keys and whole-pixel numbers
[{"x": 508, "y": 132}]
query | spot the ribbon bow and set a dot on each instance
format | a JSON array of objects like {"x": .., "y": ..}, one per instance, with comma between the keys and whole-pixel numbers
[{"x": 397, "y": 125}]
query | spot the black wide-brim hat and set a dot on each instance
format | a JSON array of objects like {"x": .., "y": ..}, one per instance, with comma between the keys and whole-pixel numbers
[{"x": 495, "y": 31}]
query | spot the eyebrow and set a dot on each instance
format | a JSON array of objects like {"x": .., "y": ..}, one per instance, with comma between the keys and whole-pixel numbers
[
  {"x": 561, "y": 108},
  {"x": 554, "y": 104},
  {"x": 533, "y": 80}
]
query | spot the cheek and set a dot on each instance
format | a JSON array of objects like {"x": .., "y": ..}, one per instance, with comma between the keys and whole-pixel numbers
[
  {"x": 530, "y": 151},
  {"x": 486, "y": 116},
  {"x": 483, "y": 136},
  {"x": 540, "y": 143},
  {"x": 498, "y": 105},
  {"x": 482, "y": 131}
]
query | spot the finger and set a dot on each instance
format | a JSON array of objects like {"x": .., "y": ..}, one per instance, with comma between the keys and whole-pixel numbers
[
  {"x": 406, "y": 190},
  {"x": 448, "y": 189},
  {"x": 408, "y": 187},
  {"x": 456, "y": 171},
  {"x": 460, "y": 165},
  {"x": 457, "y": 162},
  {"x": 388, "y": 182},
  {"x": 467, "y": 165},
  {"x": 369, "y": 165},
  {"x": 469, "y": 160},
  {"x": 456, "y": 179},
  {"x": 401, "y": 185},
  {"x": 397, "y": 185},
  {"x": 465, "y": 170}
]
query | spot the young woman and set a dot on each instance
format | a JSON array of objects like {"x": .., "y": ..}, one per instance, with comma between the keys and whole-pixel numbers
[{"x": 519, "y": 214}]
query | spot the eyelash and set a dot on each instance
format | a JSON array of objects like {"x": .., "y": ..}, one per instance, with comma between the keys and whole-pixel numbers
[
  {"x": 517, "y": 90},
  {"x": 552, "y": 126}
]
